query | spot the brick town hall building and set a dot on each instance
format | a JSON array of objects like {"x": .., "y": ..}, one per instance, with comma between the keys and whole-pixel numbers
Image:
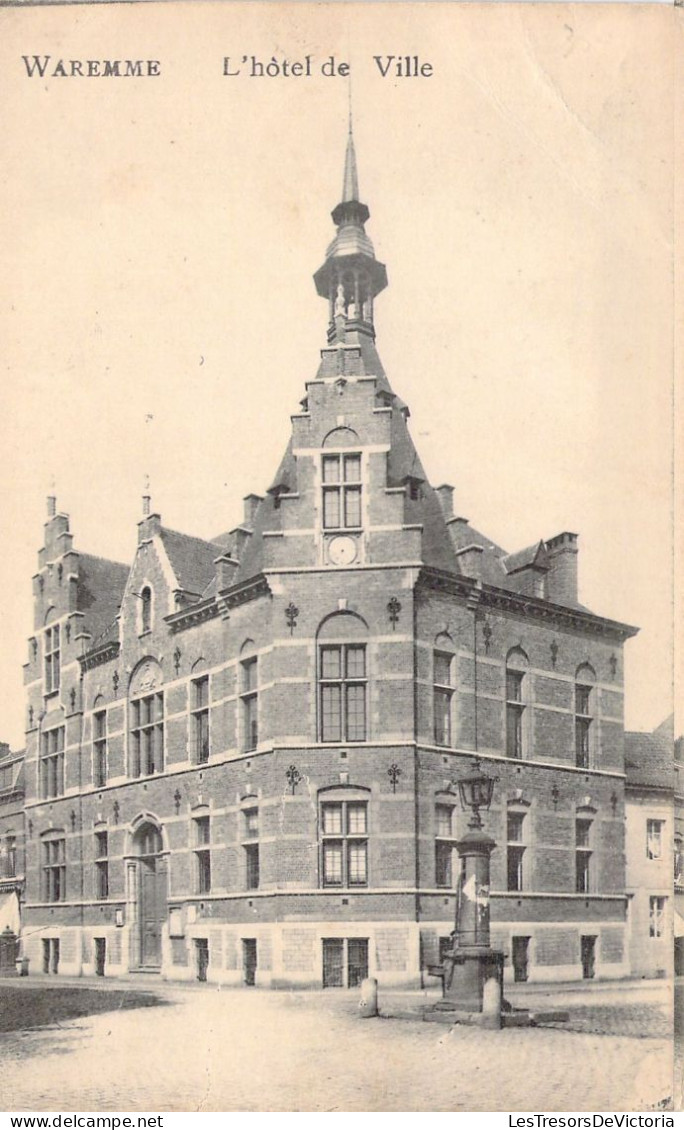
[{"x": 241, "y": 754}]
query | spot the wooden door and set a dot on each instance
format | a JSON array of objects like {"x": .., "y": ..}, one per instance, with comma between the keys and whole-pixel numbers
[
  {"x": 333, "y": 963},
  {"x": 151, "y": 913}
]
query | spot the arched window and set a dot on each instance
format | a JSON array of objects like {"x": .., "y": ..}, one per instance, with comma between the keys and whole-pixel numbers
[
  {"x": 145, "y": 610},
  {"x": 517, "y": 691},
  {"x": 148, "y": 840},
  {"x": 585, "y": 679},
  {"x": 342, "y": 679},
  {"x": 147, "y": 720}
]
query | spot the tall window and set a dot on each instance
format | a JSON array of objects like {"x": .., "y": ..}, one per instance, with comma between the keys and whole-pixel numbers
[
  {"x": 654, "y": 839},
  {"x": 199, "y": 720},
  {"x": 10, "y": 857},
  {"x": 343, "y": 684},
  {"x": 147, "y": 735},
  {"x": 656, "y": 916},
  {"x": 515, "y": 850},
  {"x": 515, "y": 710},
  {"x": 583, "y": 720},
  {"x": 341, "y": 492},
  {"x": 146, "y": 610},
  {"x": 251, "y": 847},
  {"x": 202, "y": 855},
  {"x": 442, "y": 695},
  {"x": 678, "y": 862},
  {"x": 249, "y": 698},
  {"x": 445, "y": 846},
  {"x": 52, "y": 763},
  {"x": 54, "y": 869},
  {"x": 100, "y": 748},
  {"x": 344, "y": 843},
  {"x": 582, "y": 856},
  {"x": 101, "y": 865},
  {"x": 52, "y": 659}
]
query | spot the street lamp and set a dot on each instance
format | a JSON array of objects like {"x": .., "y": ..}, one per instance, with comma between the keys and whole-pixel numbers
[{"x": 476, "y": 790}]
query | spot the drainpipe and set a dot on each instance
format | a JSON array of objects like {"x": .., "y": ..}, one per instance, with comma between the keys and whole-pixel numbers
[{"x": 416, "y": 803}]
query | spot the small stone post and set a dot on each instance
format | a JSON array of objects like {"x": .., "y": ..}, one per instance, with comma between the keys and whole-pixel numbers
[{"x": 368, "y": 1005}]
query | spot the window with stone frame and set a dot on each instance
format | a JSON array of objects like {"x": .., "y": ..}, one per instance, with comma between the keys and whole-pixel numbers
[
  {"x": 342, "y": 487},
  {"x": 249, "y": 702},
  {"x": 100, "y": 748},
  {"x": 202, "y": 830},
  {"x": 446, "y": 858},
  {"x": 53, "y": 868},
  {"x": 250, "y": 846},
  {"x": 101, "y": 865},
  {"x": 343, "y": 686},
  {"x": 583, "y": 724},
  {"x": 10, "y": 869},
  {"x": 52, "y": 763},
  {"x": 515, "y": 850},
  {"x": 517, "y": 689},
  {"x": 442, "y": 694},
  {"x": 583, "y": 854},
  {"x": 199, "y": 719},
  {"x": 145, "y": 610},
  {"x": 147, "y": 735},
  {"x": 344, "y": 843},
  {"x": 52, "y": 658}
]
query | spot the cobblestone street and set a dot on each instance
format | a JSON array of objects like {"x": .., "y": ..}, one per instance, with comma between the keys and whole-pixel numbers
[{"x": 215, "y": 1050}]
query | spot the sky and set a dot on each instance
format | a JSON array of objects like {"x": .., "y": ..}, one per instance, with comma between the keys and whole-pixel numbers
[{"x": 159, "y": 315}]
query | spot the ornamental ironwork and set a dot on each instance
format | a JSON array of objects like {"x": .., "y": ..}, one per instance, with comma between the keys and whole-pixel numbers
[
  {"x": 177, "y": 655},
  {"x": 293, "y": 778},
  {"x": 393, "y": 610},
  {"x": 394, "y": 773},
  {"x": 291, "y": 614}
]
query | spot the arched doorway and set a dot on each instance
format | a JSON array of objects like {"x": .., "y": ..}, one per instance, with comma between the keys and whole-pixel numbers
[{"x": 152, "y": 908}]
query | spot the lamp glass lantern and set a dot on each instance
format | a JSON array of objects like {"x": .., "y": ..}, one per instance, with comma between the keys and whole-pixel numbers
[{"x": 476, "y": 790}]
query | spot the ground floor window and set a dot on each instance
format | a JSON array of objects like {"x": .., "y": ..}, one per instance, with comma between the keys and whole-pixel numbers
[
  {"x": 656, "y": 916},
  {"x": 50, "y": 955},
  {"x": 345, "y": 962}
]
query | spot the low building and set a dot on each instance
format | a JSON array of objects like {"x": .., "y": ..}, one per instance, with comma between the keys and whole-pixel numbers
[
  {"x": 11, "y": 837},
  {"x": 649, "y": 841}
]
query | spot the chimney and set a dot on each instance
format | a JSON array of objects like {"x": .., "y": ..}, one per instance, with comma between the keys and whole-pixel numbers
[
  {"x": 226, "y": 568},
  {"x": 51, "y": 505},
  {"x": 562, "y": 575},
  {"x": 445, "y": 494},
  {"x": 470, "y": 561},
  {"x": 250, "y": 503}
]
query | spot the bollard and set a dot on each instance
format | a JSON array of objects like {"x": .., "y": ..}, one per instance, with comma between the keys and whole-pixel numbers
[
  {"x": 491, "y": 1002},
  {"x": 368, "y": 1005}
]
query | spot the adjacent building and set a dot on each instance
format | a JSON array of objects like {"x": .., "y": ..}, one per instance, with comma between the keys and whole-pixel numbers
[
  {"x": 650, "y": 846},
  {"x": 242, "y": 752},
  {"x": 11, "y": 837}
]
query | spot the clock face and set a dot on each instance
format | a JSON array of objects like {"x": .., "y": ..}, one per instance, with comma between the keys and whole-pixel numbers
[{"x": 342, "y": 551}]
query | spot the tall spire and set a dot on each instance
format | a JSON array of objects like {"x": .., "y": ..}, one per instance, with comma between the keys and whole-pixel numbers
[
  {"x": 351, "y": 276},
  {"x": 350, "y": 186}
]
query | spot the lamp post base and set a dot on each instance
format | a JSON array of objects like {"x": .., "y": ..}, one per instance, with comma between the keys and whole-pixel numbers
[{"x": 472, "y": 987}]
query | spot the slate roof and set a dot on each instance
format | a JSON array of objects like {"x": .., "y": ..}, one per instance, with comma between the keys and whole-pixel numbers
[
  {"x": 100, "y": 588},
  {"x": 649, "y": 757},
  {"x": 192, "y": 559}
]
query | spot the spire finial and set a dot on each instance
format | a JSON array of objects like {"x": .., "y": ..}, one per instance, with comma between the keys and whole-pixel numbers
[
  {"x": 52, "y": 498},
  {"x": 146, "y": 499},
  {"x": 350, "y": 187}
]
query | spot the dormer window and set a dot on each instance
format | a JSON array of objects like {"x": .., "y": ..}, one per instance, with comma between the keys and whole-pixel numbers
[
  {"x": 145, "y": 610},
  {"x": 342, "y": 492}
]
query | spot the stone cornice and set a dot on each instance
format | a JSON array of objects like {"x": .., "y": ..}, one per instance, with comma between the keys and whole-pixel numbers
[
  {"x": 99, "y": 655},
  {"x": 490, "y": 596},
  {"x": 220, "y": 604}
]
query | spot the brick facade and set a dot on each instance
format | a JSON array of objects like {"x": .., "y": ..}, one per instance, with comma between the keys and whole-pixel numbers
[{"x": 241, "y": 754}]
